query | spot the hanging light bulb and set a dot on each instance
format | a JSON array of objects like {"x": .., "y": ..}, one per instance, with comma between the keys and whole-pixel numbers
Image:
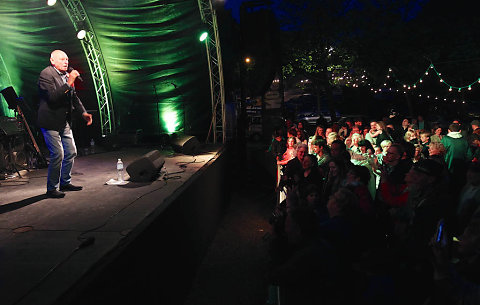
[
  {"x": 470, "y": 87},
  {"x": 450, "y": 89}
]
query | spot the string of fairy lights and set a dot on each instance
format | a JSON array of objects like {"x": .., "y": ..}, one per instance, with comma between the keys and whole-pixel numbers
[{"x": 405, "y": 87}]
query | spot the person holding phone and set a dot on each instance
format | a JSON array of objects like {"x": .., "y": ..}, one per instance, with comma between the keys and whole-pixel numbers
[
  {"x": 415, "y": 224},
  {"x": 456, "y": 266}
]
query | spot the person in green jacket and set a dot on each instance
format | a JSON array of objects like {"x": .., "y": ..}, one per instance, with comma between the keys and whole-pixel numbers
[{"x": 457, "y": 156}]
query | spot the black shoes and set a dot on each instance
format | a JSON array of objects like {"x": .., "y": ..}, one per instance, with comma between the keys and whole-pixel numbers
[
  {"x": 55, "y": 194},
  {"x": 70, "y": 187},
  {"x": 63, "y": 188}
]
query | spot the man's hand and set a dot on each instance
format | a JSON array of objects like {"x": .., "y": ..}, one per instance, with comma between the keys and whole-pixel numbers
[
  {"x": 72, "y": 75},
  {"x": 87, "y": 117}
]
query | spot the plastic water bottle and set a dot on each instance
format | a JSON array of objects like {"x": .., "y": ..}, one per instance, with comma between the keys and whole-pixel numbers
[
  {"x": 92, "y": 146},
  {"x": 119, "y": 170}
]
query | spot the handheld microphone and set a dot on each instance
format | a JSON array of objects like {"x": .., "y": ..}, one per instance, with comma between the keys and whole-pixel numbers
[{"x": 79, "y": 77}]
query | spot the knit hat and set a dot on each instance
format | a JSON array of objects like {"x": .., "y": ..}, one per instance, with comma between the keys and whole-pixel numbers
[{"x": 429, "y": 167}]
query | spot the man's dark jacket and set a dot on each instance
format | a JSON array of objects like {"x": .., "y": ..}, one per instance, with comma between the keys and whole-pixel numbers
[{"x": 57, "y": 100}]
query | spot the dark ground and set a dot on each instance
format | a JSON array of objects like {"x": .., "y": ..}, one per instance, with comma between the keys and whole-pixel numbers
[{"x": 233, "y": 270}]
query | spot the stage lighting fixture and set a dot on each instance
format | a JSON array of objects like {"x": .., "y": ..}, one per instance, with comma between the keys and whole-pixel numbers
[
  {"x": 203, "y": 36},
  {"x": 171, "y": 120},
  {"x": 51, "y": 2},
  {"x": 81, "y": 34}
]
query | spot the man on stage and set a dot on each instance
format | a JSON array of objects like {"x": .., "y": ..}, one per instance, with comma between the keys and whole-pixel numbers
[{"x": 57, "y": 101}]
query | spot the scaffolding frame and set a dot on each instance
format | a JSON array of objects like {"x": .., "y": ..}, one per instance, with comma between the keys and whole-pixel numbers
[
  {"x": 215, "y": 68},
  {"x": 79, "y": 18}
]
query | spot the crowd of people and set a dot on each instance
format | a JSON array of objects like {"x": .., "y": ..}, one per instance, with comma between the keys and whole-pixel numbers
[{"x": 359, "y": 210}]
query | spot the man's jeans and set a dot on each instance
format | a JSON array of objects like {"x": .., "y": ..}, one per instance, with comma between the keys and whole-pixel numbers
[{"x": 62, "y": 152}]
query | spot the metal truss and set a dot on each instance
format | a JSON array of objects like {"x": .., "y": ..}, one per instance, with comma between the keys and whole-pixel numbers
[
  {"x": 91, "y": 48},
  {"x": 217, "y": 87}
]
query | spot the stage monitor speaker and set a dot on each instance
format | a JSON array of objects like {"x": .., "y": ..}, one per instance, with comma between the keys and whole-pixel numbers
[
  {"x": 188, "y": 145},
  {"x": 146, "y": 168}
]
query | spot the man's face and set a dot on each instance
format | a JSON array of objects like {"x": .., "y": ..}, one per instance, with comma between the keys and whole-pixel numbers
[
  {"x": 59, "y": 60},
  {"x": 392, "y": 157},
  {"x": 301, "y": 153}
]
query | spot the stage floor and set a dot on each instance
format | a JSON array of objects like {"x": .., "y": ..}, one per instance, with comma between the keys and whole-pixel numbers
[{"x": 44, "y": 245}]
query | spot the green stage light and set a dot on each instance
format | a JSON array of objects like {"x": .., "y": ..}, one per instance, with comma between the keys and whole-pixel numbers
[
  {"x": 203, "y": 36},
  {"x": 171, "y": 118}
]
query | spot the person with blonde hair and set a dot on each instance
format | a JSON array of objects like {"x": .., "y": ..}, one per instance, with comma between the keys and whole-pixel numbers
[
  {"x": 354, "y": 147},
  {"x": 410, "y": 137},
  {"x": 332, "y": 136}
]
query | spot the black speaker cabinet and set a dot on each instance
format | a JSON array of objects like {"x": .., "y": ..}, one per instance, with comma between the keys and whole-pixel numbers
[
  {"x": 146, "y": 168},
  {"x": 188, "y": 145}
]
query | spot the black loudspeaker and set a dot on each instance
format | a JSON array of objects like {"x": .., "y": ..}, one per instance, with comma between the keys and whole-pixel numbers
[
  {"x": 188, "y": 145},
  {"x": 146, "y": 168}
]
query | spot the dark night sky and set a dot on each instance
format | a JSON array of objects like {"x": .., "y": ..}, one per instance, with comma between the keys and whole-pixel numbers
[{"x": 234, "y": 6}]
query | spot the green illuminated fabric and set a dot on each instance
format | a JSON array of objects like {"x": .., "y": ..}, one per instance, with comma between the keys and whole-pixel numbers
[{"x": 156, "y": 66}]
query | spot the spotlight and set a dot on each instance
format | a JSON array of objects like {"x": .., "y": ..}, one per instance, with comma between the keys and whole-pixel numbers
[
  {"x": 51, "y": 2},
  {"x": 203, "y": 36},
  {"x": 81, "y": 34}
]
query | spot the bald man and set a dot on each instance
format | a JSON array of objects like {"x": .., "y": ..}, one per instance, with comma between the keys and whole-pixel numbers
[{"x": 57, "y": 101}]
